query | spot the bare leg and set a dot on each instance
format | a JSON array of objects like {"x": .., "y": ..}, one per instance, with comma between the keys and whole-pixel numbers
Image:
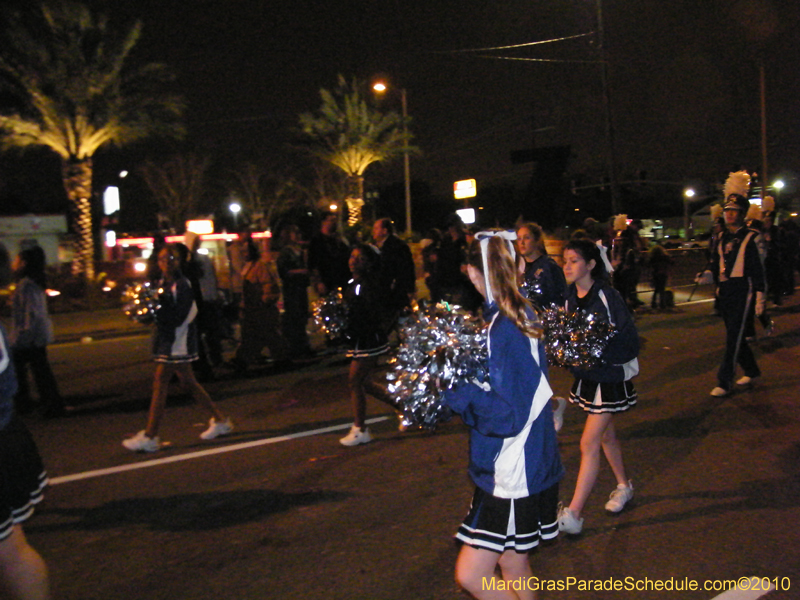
[
  {"x": 613, "y": 451},
  {"x": 23, "y": 573},
  {"x": 198, "y": 392},
  {"x": 516, "y": 569},
  {"x": 475, "y": 573},
  {"x": 360, "y": 369},
  {"x": 591, "y": 442},
  {"x": 161, "y": 380}
]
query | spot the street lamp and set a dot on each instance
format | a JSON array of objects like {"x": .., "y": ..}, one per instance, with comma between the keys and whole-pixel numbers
[
  {"x": 235, "y": 207},
  {"x": 689, "y": 193},
  {"x": 380, "y": 87}
]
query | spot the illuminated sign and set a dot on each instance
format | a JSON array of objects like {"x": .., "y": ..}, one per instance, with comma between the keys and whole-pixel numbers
[
  {"x": 465, "y": 189},
  {"x": 467, "y": 215},
  {"x": 200, "y": 226}
]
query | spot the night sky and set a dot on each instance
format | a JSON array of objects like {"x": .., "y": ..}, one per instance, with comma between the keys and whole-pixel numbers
[{"x": 683, "y": 77}]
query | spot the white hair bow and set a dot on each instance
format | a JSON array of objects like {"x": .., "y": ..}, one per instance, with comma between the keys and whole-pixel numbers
[
  {"x": 483, "y": 237},
  {"x": 604, "y": 256}
]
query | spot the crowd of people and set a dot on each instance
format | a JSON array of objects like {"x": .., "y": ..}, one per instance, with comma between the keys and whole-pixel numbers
[{"x": 507, "y": 276}]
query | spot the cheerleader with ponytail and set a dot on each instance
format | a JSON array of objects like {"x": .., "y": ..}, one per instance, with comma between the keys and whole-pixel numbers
[{"x": 514, "y": 460}]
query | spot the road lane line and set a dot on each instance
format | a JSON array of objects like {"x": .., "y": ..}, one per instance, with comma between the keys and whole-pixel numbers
[{"x": 202, "y": 453}]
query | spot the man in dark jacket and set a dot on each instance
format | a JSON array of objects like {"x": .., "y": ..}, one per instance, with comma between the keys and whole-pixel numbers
[{"x": 397, "y": 271}]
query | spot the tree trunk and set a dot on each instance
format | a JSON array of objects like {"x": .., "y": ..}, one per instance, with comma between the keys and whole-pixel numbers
[
  {"x": 355, "y": 199},
  {"x": 77, "y": 175}
]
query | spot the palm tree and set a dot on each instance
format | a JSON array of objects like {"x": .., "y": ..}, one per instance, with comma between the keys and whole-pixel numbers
[
  {"x": 74, "y": 91},
  {"x": 351, "y": 135}
]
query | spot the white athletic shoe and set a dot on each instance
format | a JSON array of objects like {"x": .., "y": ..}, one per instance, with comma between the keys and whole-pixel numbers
[
  {"x": 216, "y": 429},
  {"x": 141, "y": 443},
  {"x": 356, "y": 436},
  {"x": 568, "y": 522},
  {"x": 620, "y": 497}
]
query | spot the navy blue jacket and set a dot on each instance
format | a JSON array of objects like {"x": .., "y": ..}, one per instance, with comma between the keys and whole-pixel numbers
[
  {"x": 513, "y": 448},
  {"x": 618, "y": 356}
]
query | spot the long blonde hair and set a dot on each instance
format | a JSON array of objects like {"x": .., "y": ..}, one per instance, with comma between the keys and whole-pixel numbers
[{"x": 503, "y": 281}]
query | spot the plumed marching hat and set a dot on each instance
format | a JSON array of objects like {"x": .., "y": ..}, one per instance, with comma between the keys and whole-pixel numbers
[{"x": 737, "y": 202}]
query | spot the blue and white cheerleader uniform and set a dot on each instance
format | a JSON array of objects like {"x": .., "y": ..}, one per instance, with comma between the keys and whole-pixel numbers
[
  {"x": 514, "y": 459},
  {"x": 175, "y": 336},
  {"x": 22, "y": 475},
  {"x": 608, "y": 387}
]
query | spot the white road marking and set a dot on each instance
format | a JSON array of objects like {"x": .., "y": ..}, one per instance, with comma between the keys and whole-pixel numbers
[{"x": 202, "y": 453}]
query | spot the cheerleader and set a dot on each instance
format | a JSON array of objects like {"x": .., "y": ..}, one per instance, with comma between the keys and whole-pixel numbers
[{"x": 602, "y": 391}]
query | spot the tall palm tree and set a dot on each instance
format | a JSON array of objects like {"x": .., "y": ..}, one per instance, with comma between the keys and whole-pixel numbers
[
  {"x": 351, "y": 135},
  {"x": 74, "y": 90}
]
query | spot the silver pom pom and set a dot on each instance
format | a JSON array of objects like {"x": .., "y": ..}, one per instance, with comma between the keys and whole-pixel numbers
[
  {"x": 330, "y": 314},
  {"x": 441, "y": 345},
  {"x": 574, "y": 339},
  {"x": 141, "y": 302}
]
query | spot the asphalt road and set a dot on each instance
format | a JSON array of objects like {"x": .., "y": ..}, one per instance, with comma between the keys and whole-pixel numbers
[{"x": 281, "y": 510}]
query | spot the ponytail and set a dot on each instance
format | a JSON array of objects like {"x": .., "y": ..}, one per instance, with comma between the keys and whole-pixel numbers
[{"x": 502, "y": 281}]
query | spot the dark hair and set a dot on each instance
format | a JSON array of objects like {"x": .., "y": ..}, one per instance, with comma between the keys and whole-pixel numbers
[
  {"x": 370, "y": 255},
  {"x": 538, "y": 236},
  {"x": 33, "y": 269},
  {"x": 387, "y": 224},
  {"x": 588, "y": 251}
]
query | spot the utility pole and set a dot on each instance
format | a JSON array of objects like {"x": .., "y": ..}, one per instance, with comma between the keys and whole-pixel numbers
[{"x": 611, "y": 162}]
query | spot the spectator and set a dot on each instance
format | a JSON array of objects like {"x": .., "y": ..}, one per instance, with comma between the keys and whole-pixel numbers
[
  {"x": 660, "y": 263},
  {"x": 451, "y": 281},
  {"x": 31, "y": 333},
  {"x": 328, "y": 255},
  {"x": 397, "y": 271},
  {"x": 260, "y": 315},
  {"x": 430, "y": 253},
  {"x": 209, "y": 318},
  {"x": 295, "y": 281}
]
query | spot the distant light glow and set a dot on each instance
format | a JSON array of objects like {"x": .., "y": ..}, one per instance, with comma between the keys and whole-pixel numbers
[
  {"x": 111, "y": 239},
  {"x": 689, "y": 193},
  {"x": 111, "y": 200},
  {"x": 379, "y": 87},
  {"x": 140, "y": 267},
  {"x": 467, "y": 215},
  {"x": 235, "y": 207}
]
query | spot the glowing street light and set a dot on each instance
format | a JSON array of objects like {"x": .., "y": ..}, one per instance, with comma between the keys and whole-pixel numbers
[
  {"x": 235, "y": 207},
  {"x": 688, "y": 193}
]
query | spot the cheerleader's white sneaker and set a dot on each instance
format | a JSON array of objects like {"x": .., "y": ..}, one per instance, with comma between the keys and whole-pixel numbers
[
  {"x": 141, "y": 443},
  {"x": 216, "y": 429},
  {"x": 356, "y": 436},
  {"x": 620, "y": 497},
  {"x": 568, "y": 522}
]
